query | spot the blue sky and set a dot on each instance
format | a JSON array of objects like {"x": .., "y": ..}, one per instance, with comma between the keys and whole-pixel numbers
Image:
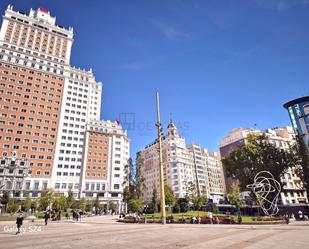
[{"x": 217, "y": 64}]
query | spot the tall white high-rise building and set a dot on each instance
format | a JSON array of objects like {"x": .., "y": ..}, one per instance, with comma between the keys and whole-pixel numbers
[
  {"x": 47, "y": 106},
  {"x": 80, "y": 104}
]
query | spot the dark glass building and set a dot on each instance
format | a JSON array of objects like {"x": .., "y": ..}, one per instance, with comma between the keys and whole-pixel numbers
[{"x": 299, "y": 114}]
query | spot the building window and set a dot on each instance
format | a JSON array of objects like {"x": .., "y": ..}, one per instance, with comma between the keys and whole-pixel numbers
[
  {"x": 27, "y": 185},
  {"x": 36, "y": 185}
]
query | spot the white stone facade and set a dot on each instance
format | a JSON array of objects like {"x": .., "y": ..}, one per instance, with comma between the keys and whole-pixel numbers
[{"x": 180, "y": 168}]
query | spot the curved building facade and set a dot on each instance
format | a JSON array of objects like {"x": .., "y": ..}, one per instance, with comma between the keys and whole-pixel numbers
[{"x": 299, "y": 114}]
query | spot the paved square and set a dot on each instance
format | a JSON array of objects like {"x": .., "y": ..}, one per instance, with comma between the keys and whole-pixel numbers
[{"x": 105, "y": 232}]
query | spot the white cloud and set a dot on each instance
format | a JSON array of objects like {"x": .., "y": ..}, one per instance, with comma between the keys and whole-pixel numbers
[
  {"x": 171, "y": 33},
  {"x": 279, "y": 5},
  {"x": 136, "y": 66}
]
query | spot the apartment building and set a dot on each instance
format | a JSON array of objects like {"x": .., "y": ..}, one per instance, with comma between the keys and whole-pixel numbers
[
  {"x": 183, "y": 167},
  {"x": 208, "y": 173},
  {"x": 106, "y": 153},
  {"x": 281, "y": 137},
  {"x": 47, "y": 105}
]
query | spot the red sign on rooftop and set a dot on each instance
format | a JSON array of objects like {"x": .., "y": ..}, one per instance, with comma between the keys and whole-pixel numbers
[{"x": 44, "y": 9}]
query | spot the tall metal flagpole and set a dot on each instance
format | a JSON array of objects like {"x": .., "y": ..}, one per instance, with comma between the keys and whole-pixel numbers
[{"x": 163, "y": 214}]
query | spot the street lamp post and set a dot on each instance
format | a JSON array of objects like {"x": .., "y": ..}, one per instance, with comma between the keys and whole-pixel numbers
[
  {"x": 163, "y": 214},
  {"x": 145, "y": 212}
]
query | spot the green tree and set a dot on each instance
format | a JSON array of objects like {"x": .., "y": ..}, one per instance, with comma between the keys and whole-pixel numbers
[
  {"x": 134, "y": 181},
  {"x": 46, "y": 198},
  {"x": 301, "y": 154},
  {"x": 128, "y": 184},
  {"x": 89, "y": 206},
  {"x": 234, "y": 197},
  {"x": 70, "y": 199},
  {"x": 97, "y": 202},
  {"x": 135, "y": 205},
  {"x": 34, "y": 205},
  {"x": 59, "y": 202},
  {"x": 134, "y": 184},
  {"x": 82, "y": 203},
  {"x": 27, "y": 203},
  {"x": 183, "y": 204},
  {"x": 139, "y": 178},
  {"x": 75, "y": 204},
  {"x": 199, "y": 201},
  {"x": 5, "y": 199},
  {"x": 154, "y": 199},
  {"x": 170, "y": 199},
  {"x": 191, "y": 192},
  {"x": 112, "y": 205},
  {"x": 12, "y": 206},
  {"x": 79, "y": 204},
  {"x": 255, "y": 156},
  {"x": 176, "y": 208}
]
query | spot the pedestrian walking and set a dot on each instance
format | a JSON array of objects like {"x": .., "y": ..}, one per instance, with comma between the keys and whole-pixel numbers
[
  {"x": 193, "y": 220},
  {"x": 210, "y": 217},
  {"x": 239, "y": 219},
  {"x": 217, "y": 221},
  {"x": 53, "y": 216},
  {"x": 80, "y": 215},
  {"x": 287, "y": 218},
  {"x": 76, "y": 215},
  {"x": 46, "y": 217},
  {"x": 19, "y": 222},
  {"x": 300, "y": 215}
]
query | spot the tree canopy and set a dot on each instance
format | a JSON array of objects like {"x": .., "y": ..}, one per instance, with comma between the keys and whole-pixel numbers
[
  {"x": 191, "y": 192},
  {"x": 301, "y": 155},
  {"x": 153, "y": 206},
  {"x": 170, "y": 199},
  {"x": 234, "y": 197},
  {"x": 258, "y": 154},
  {"x": 134, "y": 184},
  {"x": 46, "y": 198}
]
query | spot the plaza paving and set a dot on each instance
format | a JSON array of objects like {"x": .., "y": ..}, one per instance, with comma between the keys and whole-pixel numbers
[{"x": 105, "y": 232}]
